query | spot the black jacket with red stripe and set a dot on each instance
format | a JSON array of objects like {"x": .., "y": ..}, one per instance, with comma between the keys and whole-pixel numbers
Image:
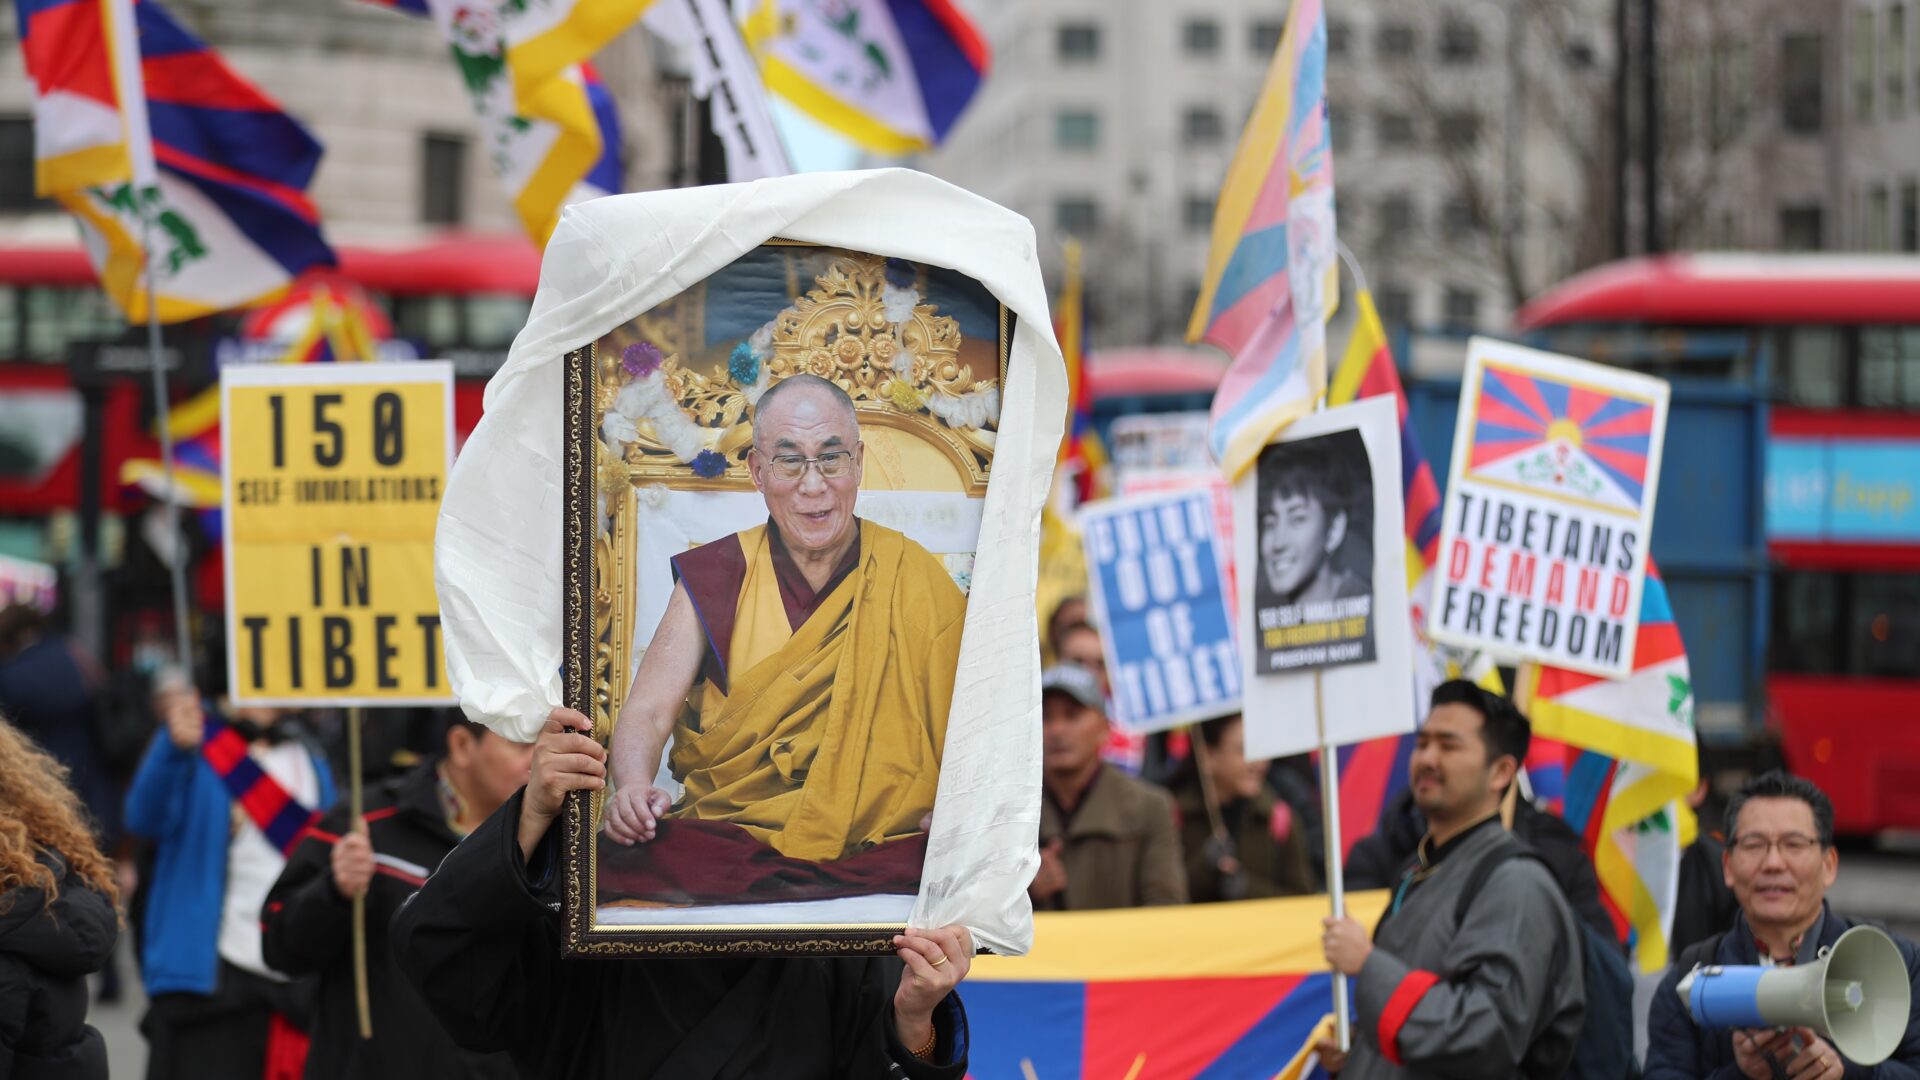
[{"x": 307, "y": 927}]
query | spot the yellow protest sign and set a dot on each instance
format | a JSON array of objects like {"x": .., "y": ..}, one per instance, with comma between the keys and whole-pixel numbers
[{"x": 332, "y": 476}]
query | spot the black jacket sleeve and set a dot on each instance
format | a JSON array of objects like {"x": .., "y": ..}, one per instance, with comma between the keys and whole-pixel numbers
[
  {"x": 16, "y": 987},
  {"x": 869, "y": 1044},
  {"x": 42, "y": 944},
  {"x": 306, "y": 924},
  {"x": 479, "y": 941}
]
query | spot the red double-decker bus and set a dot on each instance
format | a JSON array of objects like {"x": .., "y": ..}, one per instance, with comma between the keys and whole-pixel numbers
[
  {"x": 1822, "y": 353},
  {"x": 455, "y": 297}
]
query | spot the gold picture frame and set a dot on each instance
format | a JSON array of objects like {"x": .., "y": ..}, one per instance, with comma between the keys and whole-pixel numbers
[{"x": 923, "y": 410}]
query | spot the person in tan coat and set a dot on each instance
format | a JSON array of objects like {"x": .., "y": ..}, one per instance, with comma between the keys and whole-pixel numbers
[{"x": 1107, "y": 840}]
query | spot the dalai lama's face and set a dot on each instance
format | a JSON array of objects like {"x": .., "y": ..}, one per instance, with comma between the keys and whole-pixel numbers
[{"x": 814, "y": 511}]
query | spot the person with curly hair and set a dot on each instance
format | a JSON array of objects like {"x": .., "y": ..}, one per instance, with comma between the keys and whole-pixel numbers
[{"x": 57, "y": 919}]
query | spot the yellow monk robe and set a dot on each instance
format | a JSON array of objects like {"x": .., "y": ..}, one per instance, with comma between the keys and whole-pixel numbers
[{"x": 827, "y": 739}]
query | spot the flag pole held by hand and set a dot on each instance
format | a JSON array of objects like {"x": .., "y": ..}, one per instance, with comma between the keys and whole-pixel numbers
[{"x": 359, "y": 825}]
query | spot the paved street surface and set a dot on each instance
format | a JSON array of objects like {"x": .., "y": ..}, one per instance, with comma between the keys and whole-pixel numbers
[{"x": 119, "y": 1023}]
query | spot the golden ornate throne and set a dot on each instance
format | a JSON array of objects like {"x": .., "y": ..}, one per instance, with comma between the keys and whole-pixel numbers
[{"x": 676, "y": 419}]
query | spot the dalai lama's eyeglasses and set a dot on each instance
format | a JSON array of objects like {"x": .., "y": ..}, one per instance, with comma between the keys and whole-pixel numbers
[{"x": 787, "y": 468}]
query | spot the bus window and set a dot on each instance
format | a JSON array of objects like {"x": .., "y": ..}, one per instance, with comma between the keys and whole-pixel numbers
[
  {"x": 56, "y": 317},
  {"x": 493, "y": 320},
  {"x": 9, "y": 322},
  {"x": 1889, "y": 366},
  {"x": 1885, "y": 630},
  {"x": 1806, "y": 624},
  {"x": 1814, "y": 367},
  {"x": 432, "y": 320}
]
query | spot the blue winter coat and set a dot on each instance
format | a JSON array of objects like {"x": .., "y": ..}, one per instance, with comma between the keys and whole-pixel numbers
[{"x": 179, "y": 802}]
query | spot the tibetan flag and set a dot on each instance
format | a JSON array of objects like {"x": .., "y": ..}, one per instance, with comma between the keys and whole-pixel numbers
[
  {"x": 1546, "y": 767},
  {"x": 563, "y": 149},
  {"x": 891, "y": 75},
  {"x": 1214, "y": 991},
  {"x": 195, "y": 427},
  {"x": 1371, "y": 774},
  {"x": 604, "y": 178},
  {"x": 1590, "y": 445},
  {"x": 229, "y": 214},
  {"x": 1631, "y": 760},
  {"x": 547, "y": 40},
  {"x": 82, "y": 63},
  {"x": 1083, "y": 458},
  {"x": 1272, "y": 280}
]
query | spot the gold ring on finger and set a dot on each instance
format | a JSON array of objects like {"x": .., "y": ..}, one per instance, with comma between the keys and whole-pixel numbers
[{"x": 942, "y": 960}]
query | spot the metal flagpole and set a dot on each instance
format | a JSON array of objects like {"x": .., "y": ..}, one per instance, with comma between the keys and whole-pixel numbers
[{"x": 163, "y": 415}]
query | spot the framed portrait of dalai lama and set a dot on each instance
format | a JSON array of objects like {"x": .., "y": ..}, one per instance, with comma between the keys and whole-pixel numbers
[{"x": 775, "y": 488}]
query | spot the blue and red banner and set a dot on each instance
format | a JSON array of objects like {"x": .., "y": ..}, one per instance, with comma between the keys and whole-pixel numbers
[{"x": 1216, "y": 991}]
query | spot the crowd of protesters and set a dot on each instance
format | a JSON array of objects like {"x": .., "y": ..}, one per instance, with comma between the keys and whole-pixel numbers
[{"x": 214, "y": 835}]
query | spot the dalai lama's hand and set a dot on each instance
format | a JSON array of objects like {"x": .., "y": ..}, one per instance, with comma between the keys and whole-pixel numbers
[
  {"x": 634, "y": 813},
  {"x": 565, "y": 759},
  {"x": 936, "y": 962}
]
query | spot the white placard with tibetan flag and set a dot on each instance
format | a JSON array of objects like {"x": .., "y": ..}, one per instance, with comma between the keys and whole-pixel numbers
[{"x": 1549, "y": 509}]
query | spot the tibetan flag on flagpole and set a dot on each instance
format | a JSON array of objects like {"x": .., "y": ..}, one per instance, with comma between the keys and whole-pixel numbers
[
  {"x": 891, "y": 75},
  {"x": 231, "y": 220},
  {"x": 1216, "y": 991},
  {"x": 1272, "y": 278},
  {"x": 547, "y": 40},
  {"x": 558, "y": 146},
  {"x": 1083, "y": 458},
  {"x": 1632, "y": 759}
]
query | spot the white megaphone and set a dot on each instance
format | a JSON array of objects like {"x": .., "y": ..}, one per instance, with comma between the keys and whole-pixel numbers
[{"x": 1856, "y": 996}]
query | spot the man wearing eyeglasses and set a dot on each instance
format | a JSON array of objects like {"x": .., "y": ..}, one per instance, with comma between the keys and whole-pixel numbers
[
  {"x": 820, "y": 650},
  {"x": 1779, "y": 862}
]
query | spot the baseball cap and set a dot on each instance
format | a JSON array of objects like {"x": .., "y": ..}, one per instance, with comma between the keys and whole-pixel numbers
[{"x": 1076, "y": 682}]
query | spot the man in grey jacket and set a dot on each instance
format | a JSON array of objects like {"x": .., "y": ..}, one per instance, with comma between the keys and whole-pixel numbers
[{"x": 1498, "y": 992}]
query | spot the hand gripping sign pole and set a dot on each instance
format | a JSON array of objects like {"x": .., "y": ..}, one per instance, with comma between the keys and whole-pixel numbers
[{"x": 1330, "y": 834}]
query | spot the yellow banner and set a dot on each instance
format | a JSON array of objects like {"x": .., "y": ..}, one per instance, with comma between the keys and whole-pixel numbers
[{"x": 332, "y": 476}]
